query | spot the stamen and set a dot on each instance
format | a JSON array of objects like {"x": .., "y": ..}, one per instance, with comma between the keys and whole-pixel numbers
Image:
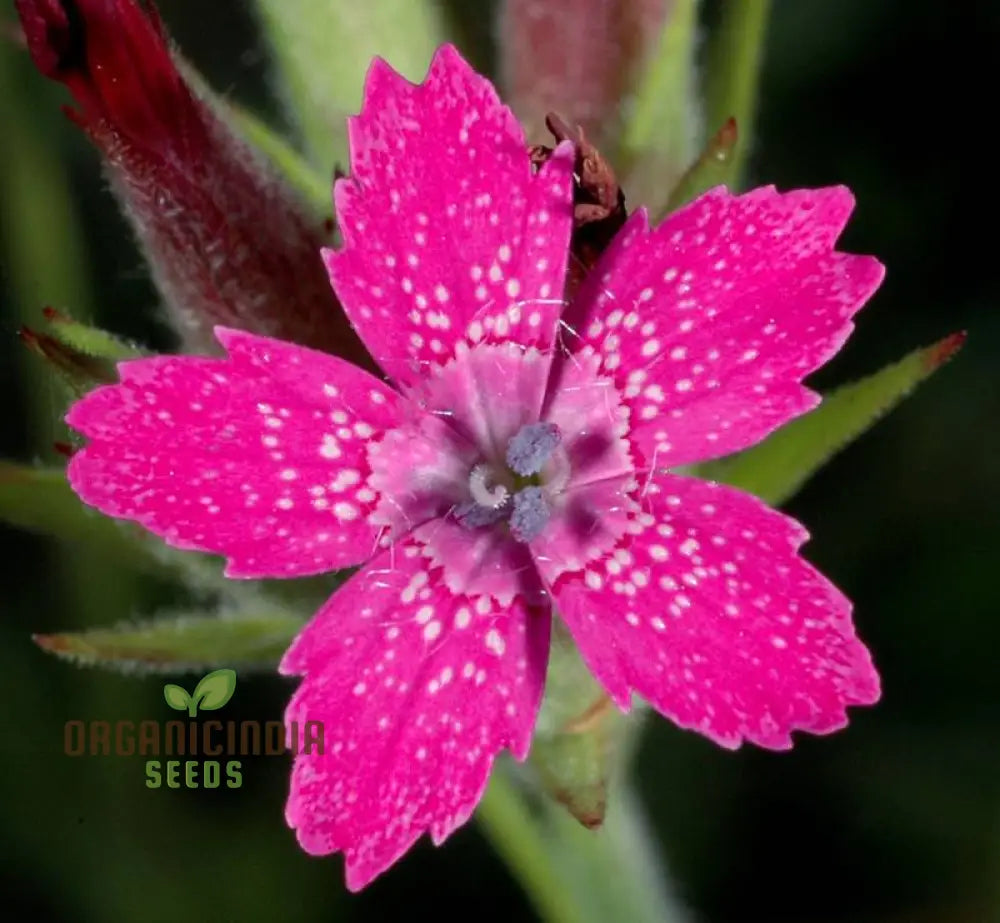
[
  {"x": 530, "y": 449},
  {"x": 531, "y": 514},
  {"x": 491, "y": 497}
]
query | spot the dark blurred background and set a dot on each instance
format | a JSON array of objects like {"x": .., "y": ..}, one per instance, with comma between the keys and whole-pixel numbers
[{"x": 896, "y": 819}]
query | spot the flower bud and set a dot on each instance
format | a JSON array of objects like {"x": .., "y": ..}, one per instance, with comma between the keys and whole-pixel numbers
[
  {"x": 228, "y": 240},
  {"x": 578, "y": 57}
]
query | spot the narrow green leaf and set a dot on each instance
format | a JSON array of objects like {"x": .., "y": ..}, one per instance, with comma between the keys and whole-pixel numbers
[
  {"x": 176, "y": 696},
  {"x": 41, "y": 500},
  {"x": 782, "y": 463},
  {"x": 734, "y": 54},
  {"x": 660, "y": 131},
  {"x": 82, "y": 356},
  {"x": 78, "y": 371},
  {"x": 185, "y": 642},
  {"x": 323, "y": 49},
  {"x": 215, "y": 689},
  {"x": 710, "y": 169},
  {"x": 87, "y": 340}
]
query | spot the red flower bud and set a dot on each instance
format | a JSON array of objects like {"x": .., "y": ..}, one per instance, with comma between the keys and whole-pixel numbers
[
  {"x": 229, "y": 242},
  {"x": 577, "y": 57}
]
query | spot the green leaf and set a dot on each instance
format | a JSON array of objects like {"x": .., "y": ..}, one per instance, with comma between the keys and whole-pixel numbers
[
  {"x": 184, "y": 642},
  {"x": 710, "y": 169},
  {"x": 41, "y": 500},
  {"x": 323, "y": 49},
  {"x": 82, "y": 356},
  {"x": 87, "y": 340},
  {"x": 78, "y": 371},
  {"x": 659, "y": 133},
  {"x": 776, "y": 468},
  {"x": 733, "y": 57},
  {"x": 176, "y": 696}
]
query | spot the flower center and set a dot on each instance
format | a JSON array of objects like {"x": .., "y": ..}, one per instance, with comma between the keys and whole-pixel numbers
[
  {"x": 483, "y": 494},
  {"x": 531, "y": 447},
  {"x": 514, "y": 495}
]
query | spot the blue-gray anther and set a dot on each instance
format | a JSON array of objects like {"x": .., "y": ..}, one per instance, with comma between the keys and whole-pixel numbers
[
  {"x": 473, "y": 516},
  {"x": 530, "y": 449},
  {"x": 531, "y": 514}
]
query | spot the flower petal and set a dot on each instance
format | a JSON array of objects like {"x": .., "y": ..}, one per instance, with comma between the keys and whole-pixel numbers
[
  {"x": 711, "y": 321},
  {"x": 446, "y": 230},
  {"x": 418, "y": 690},
  {"x": 587, "y": 522},
  {"x": 260, "y": 457},
  {"x": 487, "y": 393},
  {"x": 587, "y": 408},
  {"x": 480, "y": 561},
  {"x": 711, "y": 616},
  {"x": 420, "y": 471}
]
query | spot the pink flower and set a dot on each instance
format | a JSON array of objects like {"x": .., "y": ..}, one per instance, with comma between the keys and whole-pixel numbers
[{"x": 516, "y": 466}]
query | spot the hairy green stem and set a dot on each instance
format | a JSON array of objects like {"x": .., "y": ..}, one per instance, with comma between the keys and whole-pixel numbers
[{"x": 575, "y": 875}]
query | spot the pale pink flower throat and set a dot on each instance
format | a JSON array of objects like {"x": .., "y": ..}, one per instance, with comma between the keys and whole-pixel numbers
[{"x": 501, "y": 496}]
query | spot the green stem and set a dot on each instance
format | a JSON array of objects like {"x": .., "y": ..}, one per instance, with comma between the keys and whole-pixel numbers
[
  {"x": 734, "y": 54},
  {"x": 660, "y": 131},
  {"x": 662, "y": 102},
  {"x": 517, "y": 836},
  {"x": 575, "y": 875}
]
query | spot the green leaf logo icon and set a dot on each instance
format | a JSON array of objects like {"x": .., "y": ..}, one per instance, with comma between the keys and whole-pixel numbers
[
  {"x": 176, "y": 697},
  {"x": 215, "y": 689},
  {"x": 212, "y": 692}
]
